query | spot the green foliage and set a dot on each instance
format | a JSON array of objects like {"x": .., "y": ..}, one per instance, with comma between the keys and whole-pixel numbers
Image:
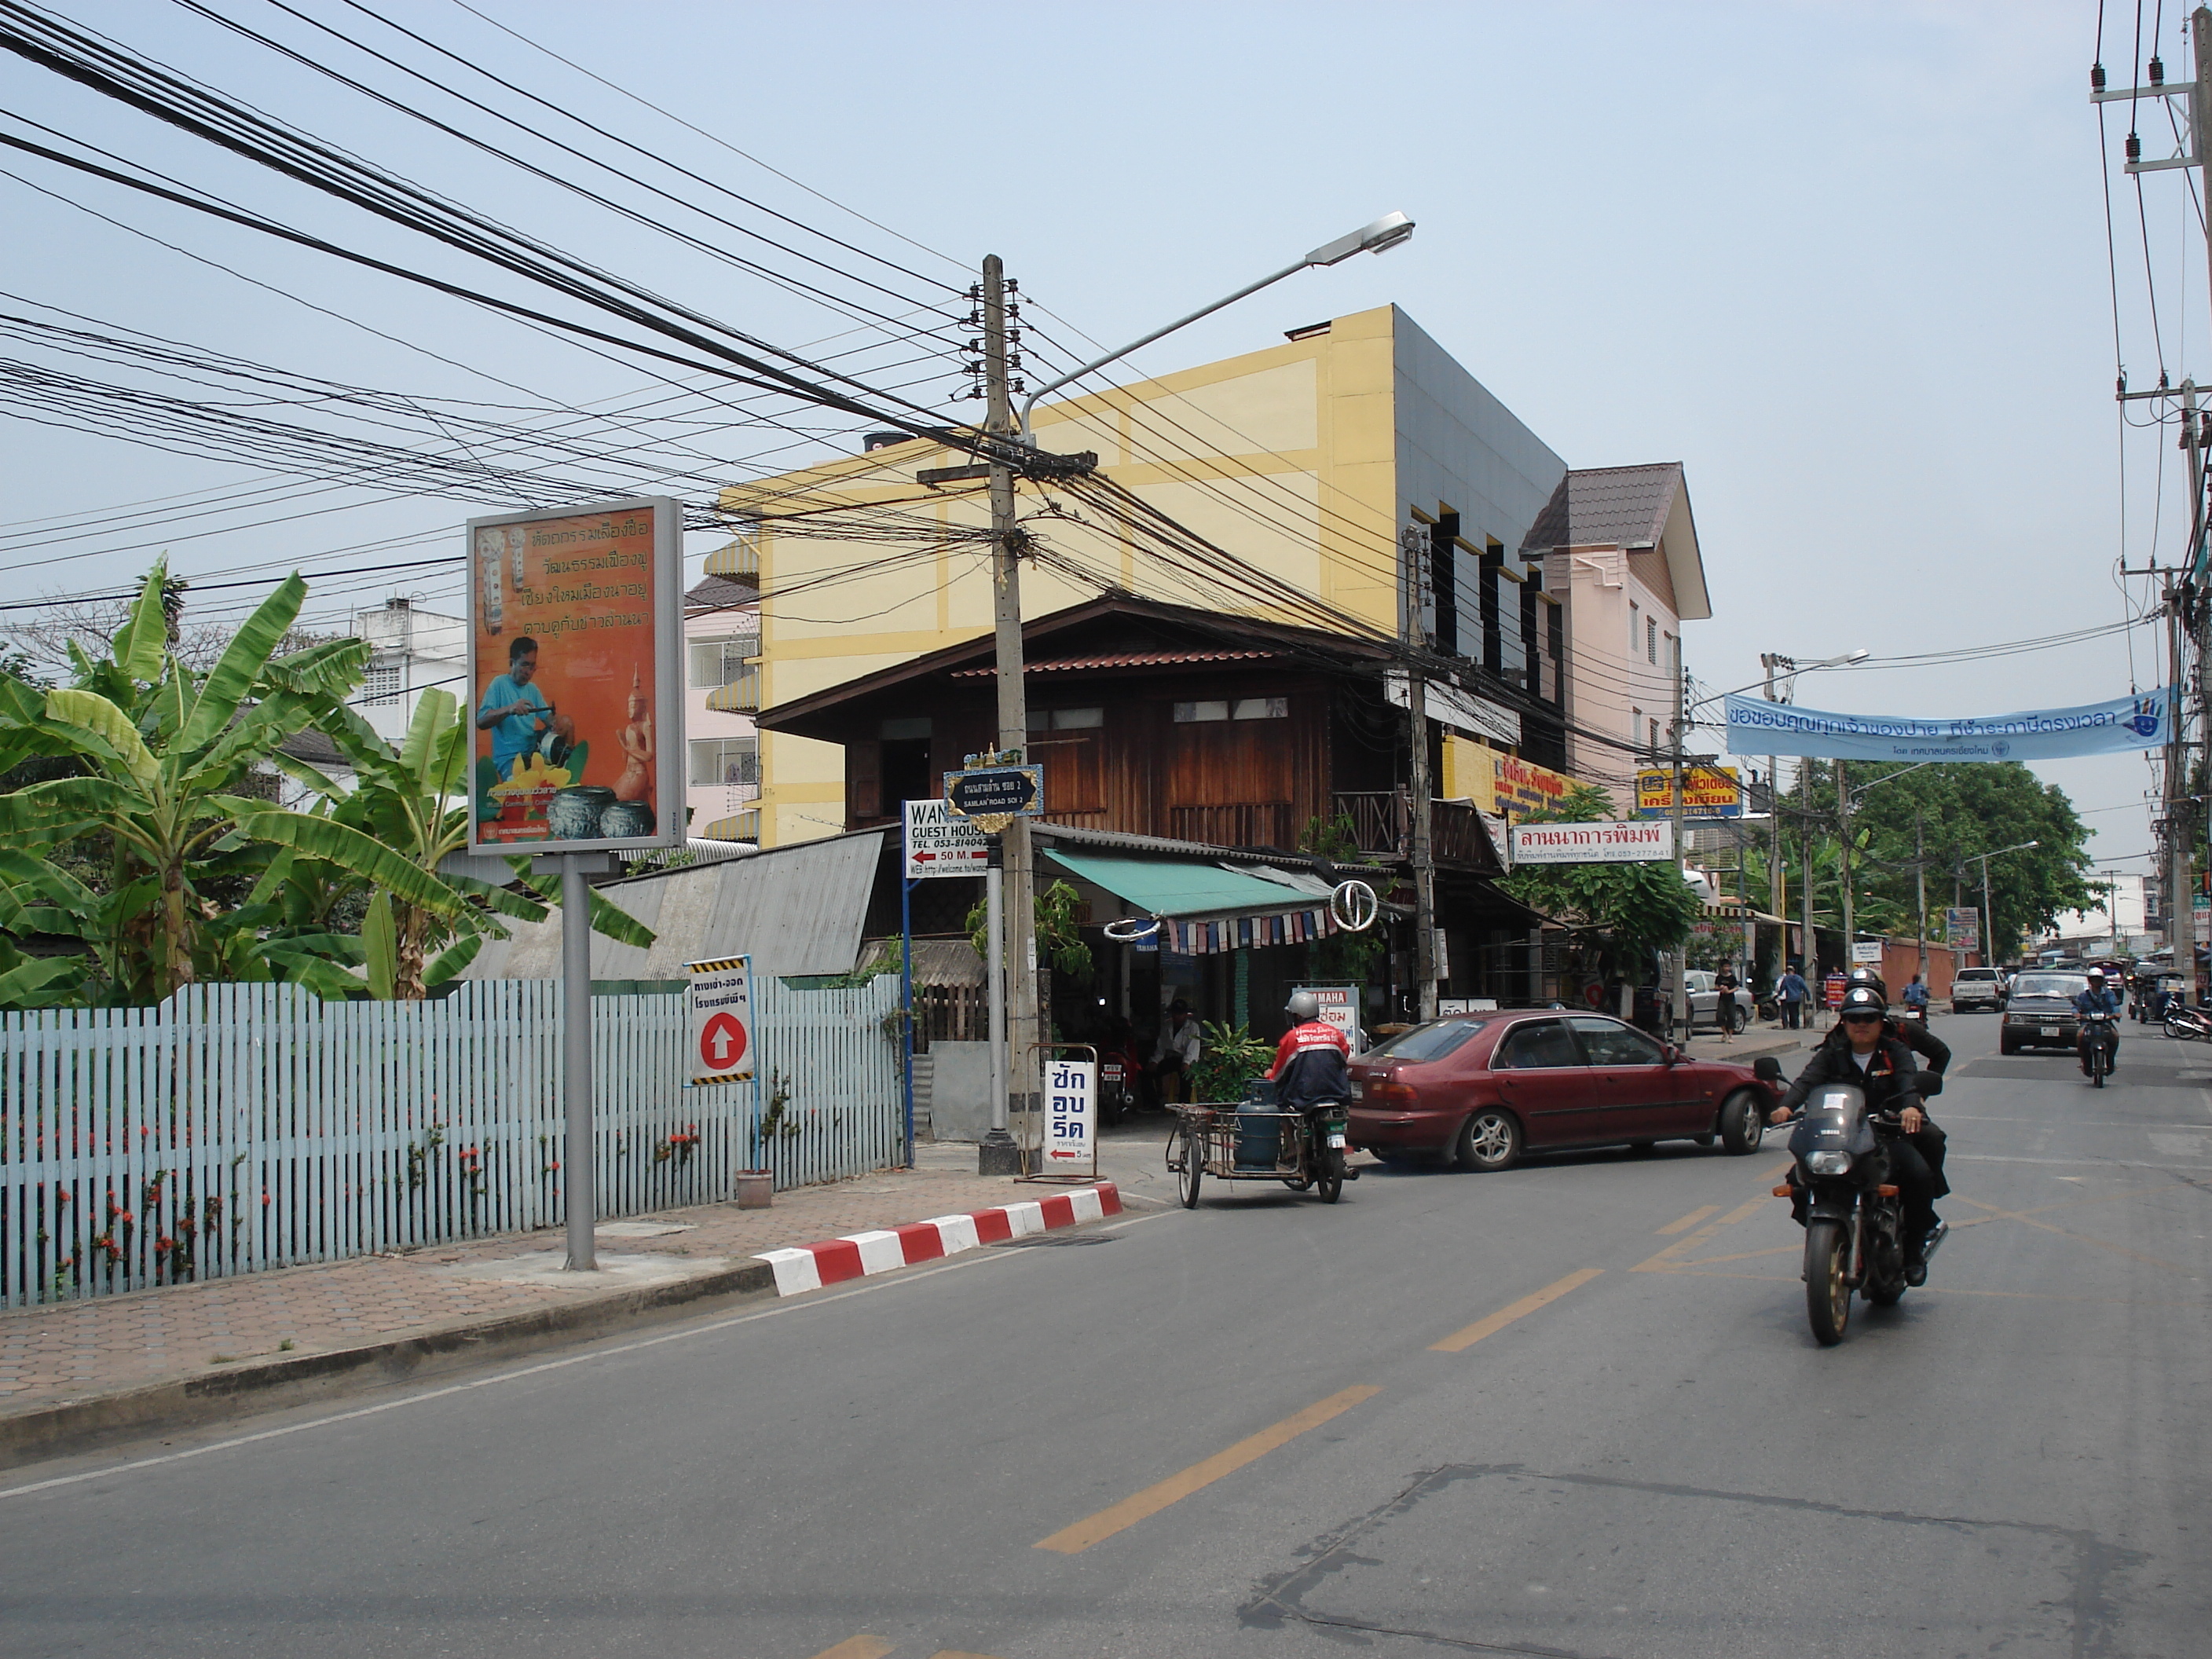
[
  {"x": 1059, "y": 934},
  {"x": 1965, "y": 808},
  {"x": 159, "y": 768},
  {"x": 1228, "y": 1057},
  {"x": 1638, "y": 908}
]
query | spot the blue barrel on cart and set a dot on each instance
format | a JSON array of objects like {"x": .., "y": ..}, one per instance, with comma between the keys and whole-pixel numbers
[{"x": 1259, "y": 1131}]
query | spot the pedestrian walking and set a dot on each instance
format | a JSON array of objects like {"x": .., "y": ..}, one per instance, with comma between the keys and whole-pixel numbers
[
  {"x": 1724, "y": 989},
  {"x": 1790, "y": 991}
]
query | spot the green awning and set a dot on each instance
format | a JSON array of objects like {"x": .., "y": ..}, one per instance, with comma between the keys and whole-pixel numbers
[{"x": 1180, "y": 887}]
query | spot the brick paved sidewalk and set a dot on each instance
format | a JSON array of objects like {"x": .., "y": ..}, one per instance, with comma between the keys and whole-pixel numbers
[{"x": 79, "y": 1350}]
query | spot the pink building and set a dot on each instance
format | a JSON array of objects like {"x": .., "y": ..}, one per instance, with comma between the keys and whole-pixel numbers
[
  {"x": 722, "y": 639},
  {"x": 1620, "y": 547}
]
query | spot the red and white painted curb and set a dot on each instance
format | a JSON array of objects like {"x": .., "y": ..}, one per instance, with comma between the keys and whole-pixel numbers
[{"x": 811, "y": 1267}]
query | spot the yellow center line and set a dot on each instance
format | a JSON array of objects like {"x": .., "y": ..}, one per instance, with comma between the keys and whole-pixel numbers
[
  {"x": 1461, "y": 1341},
  {"x": 1073, "y": 1540},
  {"x": 857, "y": 1647},
  {"x": 1749, "y": 1208},
  {"x": 1672, "y": 1255},
  {"x": 1689, "y": 1220}
]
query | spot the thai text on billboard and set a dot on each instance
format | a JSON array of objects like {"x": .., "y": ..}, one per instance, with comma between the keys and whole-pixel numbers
[
  {"x": 1635, "y": 842},
  {"x": 575, "y": 675},
  {"x": 1758, "y": 728},
  {"x": 1708, "y": 791}
]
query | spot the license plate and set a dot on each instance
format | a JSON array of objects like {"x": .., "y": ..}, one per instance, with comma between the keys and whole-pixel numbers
[
  {"x": 1360, "y": 1091},
  {"x": 2051, "y": 1030},
  {"x": 1336, "y": 1143}
]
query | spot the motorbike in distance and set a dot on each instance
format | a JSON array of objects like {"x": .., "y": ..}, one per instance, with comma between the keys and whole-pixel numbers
[
  {"x": 2099, "y": 1041},
  {"x": 1853, "y": 1218}
]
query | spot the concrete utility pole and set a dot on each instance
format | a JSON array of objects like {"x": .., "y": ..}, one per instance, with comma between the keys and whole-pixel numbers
[
  {"x": 1844, "y": 822},
  {"x": 1023, "y": 1064},
  {"x": 1920, "y": 887},
  {"x": 1679, "y": 990},
  {"x": 1777, "y": 881},
  {"x": 2196, "y": 96},
  {"x": 1413, "y": 543}
]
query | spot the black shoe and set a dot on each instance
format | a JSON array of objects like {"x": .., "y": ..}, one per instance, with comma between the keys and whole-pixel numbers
[{"x": 1916, "y": 1271}]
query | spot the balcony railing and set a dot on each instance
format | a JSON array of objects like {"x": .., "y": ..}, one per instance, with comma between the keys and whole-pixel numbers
[
  {"x": 1382, "y": 827},
  {"x": 1249, "y": 823}
]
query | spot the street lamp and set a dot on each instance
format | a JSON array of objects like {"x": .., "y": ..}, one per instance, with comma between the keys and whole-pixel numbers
[
  {"x": 1989, "y": 915},
  {"x": 1391, "y": 230}
]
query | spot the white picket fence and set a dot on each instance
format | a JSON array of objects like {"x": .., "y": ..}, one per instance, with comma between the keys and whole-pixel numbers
[{"x": 243, "y": 1127}]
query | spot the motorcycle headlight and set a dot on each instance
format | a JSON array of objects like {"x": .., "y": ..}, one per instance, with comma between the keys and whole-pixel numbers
[{"x": 1829, "y": 1164}]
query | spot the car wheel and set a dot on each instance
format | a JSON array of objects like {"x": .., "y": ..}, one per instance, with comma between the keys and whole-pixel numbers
[
  {"x": 1743, "y": 1125},
  {"x": 1737, "y": 1020},
  {"x": 1489, "y": 1140},
  {"x": 2006, "y": 1045}
]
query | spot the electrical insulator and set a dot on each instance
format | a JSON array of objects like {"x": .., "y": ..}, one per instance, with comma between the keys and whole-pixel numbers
[
  {"x": 2096, "y": 77},
  {"x": 2157, "y": 70},
  {"x": 2134, "y": 148}
]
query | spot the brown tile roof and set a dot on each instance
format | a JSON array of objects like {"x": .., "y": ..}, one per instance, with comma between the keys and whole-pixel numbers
[
  {"x": 1606, "y": 507},
  {"x": 1118, "y": 660},
  {"x": 718, "y": 594}
]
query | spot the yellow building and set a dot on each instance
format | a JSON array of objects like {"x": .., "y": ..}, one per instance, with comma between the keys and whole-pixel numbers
[{"x": 1302, "y": 461}]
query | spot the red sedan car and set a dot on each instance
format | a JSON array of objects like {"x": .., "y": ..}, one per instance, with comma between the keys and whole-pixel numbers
[{"x": 1485, "y": 1088}]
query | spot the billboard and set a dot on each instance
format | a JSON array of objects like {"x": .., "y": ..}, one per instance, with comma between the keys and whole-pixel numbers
[
  {"x": 1635, "y": 842},
  {"x": 575, "y": 678},
  {"x": 1708, "y": 791},
  {"x": 1759, "y": 727},
  {"x": 1962, "y": 927}
]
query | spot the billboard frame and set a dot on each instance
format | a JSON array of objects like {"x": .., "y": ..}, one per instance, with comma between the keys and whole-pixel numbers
[{"x": 666, "y": 576}]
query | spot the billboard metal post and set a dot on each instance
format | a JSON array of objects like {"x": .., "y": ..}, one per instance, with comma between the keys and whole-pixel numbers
[{"x": 579, "y": 1173}]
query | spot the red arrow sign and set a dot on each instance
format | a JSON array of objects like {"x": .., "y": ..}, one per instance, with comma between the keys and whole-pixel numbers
[{"x": 722, "y": 1043}]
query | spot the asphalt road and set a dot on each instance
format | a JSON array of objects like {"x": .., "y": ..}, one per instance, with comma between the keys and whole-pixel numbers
[{"x": 1571, "y": 1409}]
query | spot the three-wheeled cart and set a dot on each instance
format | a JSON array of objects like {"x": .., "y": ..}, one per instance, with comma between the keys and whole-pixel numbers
[{"x": 1256, "y": 1142}]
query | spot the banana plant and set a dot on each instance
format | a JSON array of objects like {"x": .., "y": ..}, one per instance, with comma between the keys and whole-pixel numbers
[
  {"x": 160, "y": 754},
  {"x": 414, "y": 801}
]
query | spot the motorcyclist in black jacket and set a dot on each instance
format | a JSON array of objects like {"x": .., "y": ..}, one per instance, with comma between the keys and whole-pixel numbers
[
  {"x": 1882, "y": 1065},
  {"x": 2097, "y": 999}
]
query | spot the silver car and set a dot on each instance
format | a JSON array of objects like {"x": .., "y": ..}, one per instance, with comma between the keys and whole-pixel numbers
[{"x": 1705, "y": 1002}]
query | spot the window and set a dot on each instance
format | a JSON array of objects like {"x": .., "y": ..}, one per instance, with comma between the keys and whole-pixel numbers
[
  {"x": 1609, "y": 1042},
  {"x": 1654, "y": 737},
  {"x": 1651, "y": 638},
  {"x": 717, "y": 662},
  {"x": 1186, "y": 712},
  {"x": 1635, "y": 724},
  {"x": 1067, "y": 720},
  {"x": 1425, "y": 1042},
  {"x": 723, "y": 761},
  {"x": 1541, "y": 1044},
  {"x": 381, "y": 686},
  {"x": 1262, "y": 708}
]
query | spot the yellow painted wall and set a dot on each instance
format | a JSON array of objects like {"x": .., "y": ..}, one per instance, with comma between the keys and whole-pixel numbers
[{"x": 1297, "y": 444}]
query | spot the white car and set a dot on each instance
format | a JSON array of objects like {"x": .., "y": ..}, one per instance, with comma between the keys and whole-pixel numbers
[{"x": 1705, "y": 1002}]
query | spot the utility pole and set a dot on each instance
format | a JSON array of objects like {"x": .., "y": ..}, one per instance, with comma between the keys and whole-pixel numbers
[
  {"x": 2180, "y": 915},
  {"x": 1679, "y": 990},
  {"x": 1989, "y": 917},
  {"x": 1777, "y": 881},
  {"x": 1920, "y": 885},
  {"x": 1413, "y": 544},
  {"x": 1844, "y": 822},
  {"x": 1023, "y": 1065}
]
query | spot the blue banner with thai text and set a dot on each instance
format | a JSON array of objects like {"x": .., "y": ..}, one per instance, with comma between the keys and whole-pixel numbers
[{"x": 1758, "y": 728}]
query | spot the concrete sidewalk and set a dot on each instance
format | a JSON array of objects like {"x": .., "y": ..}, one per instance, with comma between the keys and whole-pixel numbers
[{"x": 188, "y": 1352}]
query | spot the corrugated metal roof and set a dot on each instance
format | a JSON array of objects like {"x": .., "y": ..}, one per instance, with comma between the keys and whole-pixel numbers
[
  {"x": 718, "y": 594},
  {"x": 1118, "y": 660},
  {"x": 1606, "y": 507},
  {"x": 793, "y": 909}
]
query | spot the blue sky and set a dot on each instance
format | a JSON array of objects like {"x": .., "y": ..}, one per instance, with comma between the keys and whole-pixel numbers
[{"x": 1847, "y": 262}]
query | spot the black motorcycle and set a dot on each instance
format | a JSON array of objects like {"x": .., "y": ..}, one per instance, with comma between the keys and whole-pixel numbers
[
  {"x": 2099, "y": 1042},
  {"x": 1853, "y": 1218}
]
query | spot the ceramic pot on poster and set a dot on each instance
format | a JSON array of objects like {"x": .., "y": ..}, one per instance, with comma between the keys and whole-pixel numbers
[
  {"x": 574, "y": 813},
  {"x": 625, "y": 818}
]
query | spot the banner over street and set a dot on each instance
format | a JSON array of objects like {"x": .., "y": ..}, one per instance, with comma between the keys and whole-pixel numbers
[{"x": 1758, "y": 728}]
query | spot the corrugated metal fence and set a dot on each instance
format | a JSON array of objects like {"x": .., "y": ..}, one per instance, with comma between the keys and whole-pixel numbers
[{"x": 243, "y": 1127}]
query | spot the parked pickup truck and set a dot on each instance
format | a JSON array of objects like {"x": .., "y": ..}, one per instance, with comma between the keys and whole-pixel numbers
[
  {"x": 1705, "y": 1002},
  {"x": 1978, "y": 988}
]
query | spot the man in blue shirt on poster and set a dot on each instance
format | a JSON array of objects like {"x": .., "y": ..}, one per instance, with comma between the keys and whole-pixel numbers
[{"x": 514, "y": 710}]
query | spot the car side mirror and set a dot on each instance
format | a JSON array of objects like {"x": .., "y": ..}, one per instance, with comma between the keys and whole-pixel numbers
[
  {"x": 1673, "y": 1055},
  {"x": 1767, "y": 1069}
]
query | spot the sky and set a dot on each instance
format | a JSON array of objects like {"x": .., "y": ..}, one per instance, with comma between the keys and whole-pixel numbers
[{"x": 1847, "y": 262}]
